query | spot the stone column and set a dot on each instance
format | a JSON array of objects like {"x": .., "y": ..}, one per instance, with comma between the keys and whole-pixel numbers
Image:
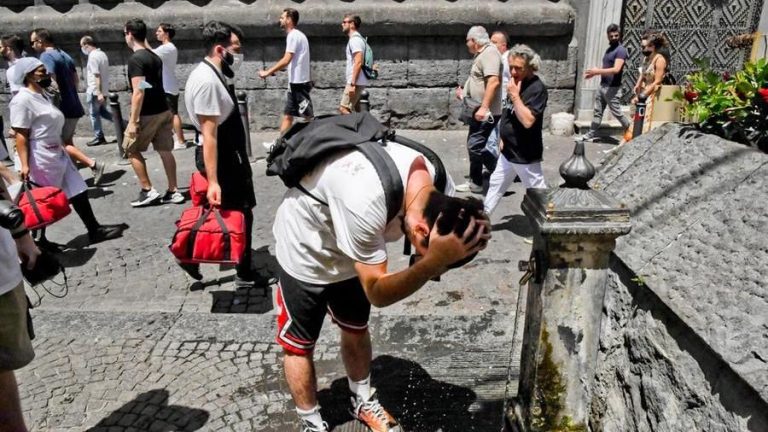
[
  {"x": 575, "y": 231},
  {"x": 760, "y": 49},
  {"x": 601, "y": 13}
]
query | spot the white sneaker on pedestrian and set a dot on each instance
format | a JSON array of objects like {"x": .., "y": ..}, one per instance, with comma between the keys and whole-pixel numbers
[
  {"x": 590, "y": 136},
  {"x": 146, "y": 197},
  {"x": 469, "y": 187},
  {"x": 309, "y": 427},
  {"x": 174, "y": 197}
]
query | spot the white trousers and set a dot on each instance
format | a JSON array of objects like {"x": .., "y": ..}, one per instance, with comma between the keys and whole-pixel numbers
[{"x": 503, "y": 176}]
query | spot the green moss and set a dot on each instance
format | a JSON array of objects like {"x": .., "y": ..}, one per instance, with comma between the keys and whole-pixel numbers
[{"x": 547, "y": 404}]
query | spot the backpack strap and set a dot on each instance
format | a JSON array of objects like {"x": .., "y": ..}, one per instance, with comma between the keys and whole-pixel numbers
[
  {"x": 441, "y": 176},
  {"x": 388, "y": 174}
]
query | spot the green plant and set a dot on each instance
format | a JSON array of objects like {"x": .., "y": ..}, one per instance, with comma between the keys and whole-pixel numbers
[{"x": 731, "y": 106}]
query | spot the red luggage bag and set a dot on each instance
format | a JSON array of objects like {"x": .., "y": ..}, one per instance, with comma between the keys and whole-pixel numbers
[
  {"x": 209, "y": 235},
  {"x": 42, "y": 205}
]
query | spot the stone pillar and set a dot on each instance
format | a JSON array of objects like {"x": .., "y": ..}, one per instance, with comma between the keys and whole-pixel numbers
[
  {"x": 575, "y": 231},
  {"x": 760, "y": 48},
  {"x": 601, "y": 13}
]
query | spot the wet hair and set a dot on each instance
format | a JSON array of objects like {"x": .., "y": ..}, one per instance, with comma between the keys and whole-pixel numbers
[
  {"x": 613, "y": 28},
  {"x": 169, "y": 29},
  {"x": 532, "y": 60},
  {"x": 479, "y": 35},
  {"x": 355, "y": 19},
  {"x": 455, "y": 216},
  {"x": 219, "y": 33},
  {"x": 88, "y": 40},
  {"x": 43, "y": 35},
  {"x": 293, "y": 14},
  {"x": 14, "y": 42},
  {"x": 137, "y": 28}
]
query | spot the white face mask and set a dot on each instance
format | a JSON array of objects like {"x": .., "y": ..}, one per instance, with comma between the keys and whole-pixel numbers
[
  {"x": 238, "y": 61},
  {"x": 84, "y": 50}
]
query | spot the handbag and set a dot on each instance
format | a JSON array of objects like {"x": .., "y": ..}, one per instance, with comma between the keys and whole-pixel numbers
[
  {"x": 46, "y": 267},
  {"x": 42, "y": 205},
  {"x": 469, "y": 107},
  {"x": 209, "y": 235},
  {"x": 198, "y": 189}
]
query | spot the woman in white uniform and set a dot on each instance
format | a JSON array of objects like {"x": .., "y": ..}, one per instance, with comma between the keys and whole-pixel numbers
[{"x": 42, "y": 158}]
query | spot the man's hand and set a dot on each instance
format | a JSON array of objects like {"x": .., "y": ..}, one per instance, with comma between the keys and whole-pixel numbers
[
  {"x": 100, "y": 98},
  {"x": 28, "y": 251},
  {"x": 132, "y": 130},
  {"x": 590, "y": 73},
  {"x": 447, "y": 249},
  {"x": 351, "y": 89},
  {"x": 513, "y": 90},
  {"x": 214, "y": 194},
  {"x": 481, "y": 113},
  {"x": 264, "y": 74},
  {"x": 459, "y": 93}
]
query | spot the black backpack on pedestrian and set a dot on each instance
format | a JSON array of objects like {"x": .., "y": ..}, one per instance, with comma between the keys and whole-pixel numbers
[{"x": 305, "y": 145}]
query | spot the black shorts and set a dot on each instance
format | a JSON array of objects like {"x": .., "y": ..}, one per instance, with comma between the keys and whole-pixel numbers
[
  {"x": 173, "y": 103},
  {"x": 297, "y": 100},
  {"x": 301, "y": 308}
]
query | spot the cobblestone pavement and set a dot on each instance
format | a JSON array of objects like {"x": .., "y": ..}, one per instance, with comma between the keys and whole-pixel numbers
[{"x": 135, "y": 345}]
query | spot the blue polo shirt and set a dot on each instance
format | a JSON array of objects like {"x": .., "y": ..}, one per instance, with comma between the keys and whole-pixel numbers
[{"x": 59, "y": 63}]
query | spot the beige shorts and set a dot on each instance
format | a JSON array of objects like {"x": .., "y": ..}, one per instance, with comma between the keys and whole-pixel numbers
[
  {"x": 15, "y": 343},
  {"x": 352, "y": 104},
  {"x": 155, "y": 129},
  {"x": 68, "y": 131}
]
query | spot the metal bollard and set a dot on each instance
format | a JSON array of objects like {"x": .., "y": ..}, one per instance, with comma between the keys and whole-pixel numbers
[
  {"x": 365, "y": 103},
  {"x": 242, "y": 103},
  {"x": 117, "y": 119},
  {"x": 639, "y": 115}
]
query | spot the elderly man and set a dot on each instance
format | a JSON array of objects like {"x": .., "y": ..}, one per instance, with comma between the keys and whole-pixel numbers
[
  {"x": 97, "y": 77},
  {"x": 483, "y": 85}
]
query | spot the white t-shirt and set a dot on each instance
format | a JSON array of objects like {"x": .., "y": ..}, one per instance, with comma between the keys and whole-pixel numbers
[
  {"x": 98, "y": 63},
  {"x": 205, "y": 94},
  {"x": 169, "y": 55},
  {"x": 298, "y": 68},
  {"x": 356, "y": 44},
  {"x": 320, "y": 244},
  {"x": 9, "y": 74},
  {"x": 33, "y": 111},
  {"x": 505, "y": 75},
  {"x": 10, "y": 271}
]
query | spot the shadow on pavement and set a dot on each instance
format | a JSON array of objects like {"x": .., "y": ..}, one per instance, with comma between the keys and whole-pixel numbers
[
  {"x": 150, "y": 412},
  {"x": 411, "y": 395},
  {"x": 256, "y": 300},
  {"x": 516, "y": 224},
  {"x": 108, "y": 179}
]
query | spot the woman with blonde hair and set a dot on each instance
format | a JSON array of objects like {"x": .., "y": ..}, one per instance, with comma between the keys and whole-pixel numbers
[{"x": 652, "y": 73}]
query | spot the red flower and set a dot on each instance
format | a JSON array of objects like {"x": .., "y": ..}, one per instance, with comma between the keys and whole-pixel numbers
[
  {"x": 726, "y": 76},
  {"x": 691, "y": 96},
  {"x": 763, "y": 92}
]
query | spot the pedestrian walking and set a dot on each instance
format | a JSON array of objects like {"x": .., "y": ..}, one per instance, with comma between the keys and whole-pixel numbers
[
  {"x": 213, "y": 110},
  {"x": 11, "y": 47},
  {"x": 333, "y": 260},
  {"x": 609, "y": 93},
  {"x": 63, "y": 72},
  {"x": 652, "y": 72},
  {"x": 500, "y": 39},
  {"x": 296, "y": 58},
  {"x": 356, "y": 81},
  {"x": 169, "y": 54},
  {"x": 38, "y": 125},
  {"x": 97, "y": 80},
  {"x": 16, "y": 246},
  {"x": 521, "y": 141},
  {"x": 484, "y": 86},
  {"x": 150, "y": 119}
]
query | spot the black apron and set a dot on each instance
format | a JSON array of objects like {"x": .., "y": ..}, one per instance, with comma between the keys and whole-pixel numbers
[{"x": 233, "y": 169}]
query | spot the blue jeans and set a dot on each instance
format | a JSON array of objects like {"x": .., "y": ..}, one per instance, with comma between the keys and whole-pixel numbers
[{"x": 97, "y": 111}]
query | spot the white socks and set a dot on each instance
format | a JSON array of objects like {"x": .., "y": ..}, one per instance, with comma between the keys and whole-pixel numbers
[
  {"x": 362, "y": 389},
  {"x": 311, "y": 416}
]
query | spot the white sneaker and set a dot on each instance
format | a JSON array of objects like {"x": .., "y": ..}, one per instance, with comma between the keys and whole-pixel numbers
[
  {"x": 309, "y": 427},
  {"x": 146, "y": 198},
  {"x": 589, "y": 136},
  {"x": 174, "y": 197},
  {"x": 469, "y": 187}
]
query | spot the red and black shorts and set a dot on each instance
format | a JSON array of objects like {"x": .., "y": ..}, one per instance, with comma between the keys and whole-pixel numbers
[{"x": 301, "y": 309}]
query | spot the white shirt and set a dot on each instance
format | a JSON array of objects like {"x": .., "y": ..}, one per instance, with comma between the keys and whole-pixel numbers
[
  {"x": 98, "y": 63},
  {"x": 205, "y": 94},
  {"x": 10, "y": 271},
  {"x": 320, "y": 244},
  {"x": 9, "y": 74},
  {"x": 505, "y": 75},
  {"x": 169, "y": 55},
  {"x": 30, "y": 110},
  {"x": 298, "y": 68},
  {"x": 356, "y": 44}
]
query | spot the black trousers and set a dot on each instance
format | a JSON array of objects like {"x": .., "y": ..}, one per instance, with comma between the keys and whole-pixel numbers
[
  {"x": 479, "y": 156},
  {"x": 243, "y": 268}
]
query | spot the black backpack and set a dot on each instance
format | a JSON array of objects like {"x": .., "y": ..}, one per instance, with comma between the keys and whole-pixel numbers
[{"x": 305, "y": 145}]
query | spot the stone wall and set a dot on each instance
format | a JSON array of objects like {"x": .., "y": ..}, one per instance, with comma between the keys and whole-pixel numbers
[
  {"x": 685, "y": 326},
  {"x": 418, "y": 45}
]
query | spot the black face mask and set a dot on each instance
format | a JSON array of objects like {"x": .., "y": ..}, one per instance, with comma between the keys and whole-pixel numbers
[
  {"x": 45, "y": 82},
  {"x": 228, "y": 61},
  {"x": 647, "y": 52},
  {"x": 613, "y": 43}
]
